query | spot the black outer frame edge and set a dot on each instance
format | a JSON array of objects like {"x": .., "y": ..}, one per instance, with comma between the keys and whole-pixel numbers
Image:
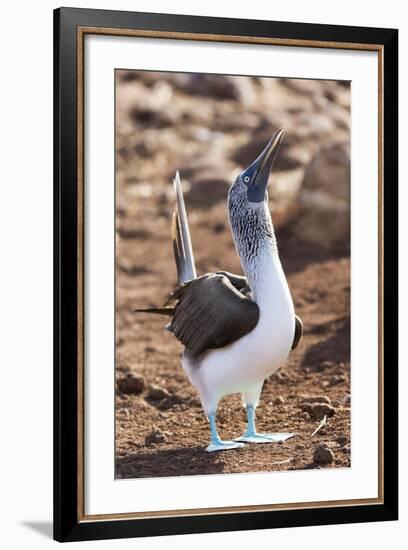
[
  {"x": 390, "y": 262},
  {"x": 57, "y": 473},
  {"x": 66, "y": 526},
  {"x": 225, "y": 26},
  {"x": 65, "y": 289},
  {"x": 56, "y": 261},
  {"x": 227, "y": 522}
]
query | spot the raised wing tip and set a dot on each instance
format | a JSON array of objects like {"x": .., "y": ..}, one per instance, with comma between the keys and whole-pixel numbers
[
  {"x": 181, "y": 235},
  {"x": 177, "y": 181}
]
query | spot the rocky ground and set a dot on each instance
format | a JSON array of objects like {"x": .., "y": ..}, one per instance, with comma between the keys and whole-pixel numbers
[{"x": 210, "y": 127}]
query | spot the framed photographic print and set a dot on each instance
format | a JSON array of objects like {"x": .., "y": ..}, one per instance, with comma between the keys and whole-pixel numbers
[{"x": 225, "y": 274}]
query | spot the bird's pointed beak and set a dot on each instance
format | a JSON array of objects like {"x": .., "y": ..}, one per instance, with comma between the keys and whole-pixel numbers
[{"x": 261, "y": 168}]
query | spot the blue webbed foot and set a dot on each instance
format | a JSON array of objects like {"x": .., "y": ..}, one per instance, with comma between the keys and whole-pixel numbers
[
  {"x": 216, "y": 443},
  {"x": 223, "y": 446},
  {"x": 252, "y": 436},
  {"x": 264, "y": 438}
]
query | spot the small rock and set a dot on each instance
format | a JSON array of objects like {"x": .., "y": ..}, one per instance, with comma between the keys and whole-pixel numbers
[
  {"x": 323, "y": 454},
  {"x": 279, "y": 377},
  {"x": 317, "y": 411},
  {"x": 316, "y": 399},
  {"x": 279, "y": 400},
  {"x": 122, "y": 367},
  {"x": 131, "y": 383},
  {"x": 155, "y": 436},
  {"x": 346, "y": 400},
  {"x": 341, "y": 440},
  {"x": 156, "y": 393},
  {"x": 336, "y": 379}
]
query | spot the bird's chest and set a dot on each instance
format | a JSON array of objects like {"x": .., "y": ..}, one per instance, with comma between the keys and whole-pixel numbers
[
  {"x": 249, "y": 361},
  {"x": 271, "y": 340}
]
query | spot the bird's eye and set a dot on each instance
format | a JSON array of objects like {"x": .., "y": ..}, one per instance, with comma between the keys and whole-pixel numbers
[{"x": 246, "y": 179}]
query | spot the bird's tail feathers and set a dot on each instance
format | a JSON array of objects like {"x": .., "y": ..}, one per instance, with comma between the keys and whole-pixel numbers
[{"x": 180, "y": 232}]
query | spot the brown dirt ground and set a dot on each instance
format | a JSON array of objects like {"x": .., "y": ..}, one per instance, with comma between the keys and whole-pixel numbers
[{"x": 320, "y": 366}]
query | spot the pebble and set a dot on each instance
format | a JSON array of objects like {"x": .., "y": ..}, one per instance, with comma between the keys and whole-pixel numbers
[
  {"x": 279, "y": 378},
  {"x": 131, "y": 383},
  {"x": 156, "y": 393},
  {"x": 155, "y": 436},
  {"x": 318, "y": 410},
  {"x": 326, "y": 365},
  {"x": 316, "y": 399},
  {"x": 336, "y": 379},
  {"x": 279, "y": 400},
  {"x": 323, "y": 454}
]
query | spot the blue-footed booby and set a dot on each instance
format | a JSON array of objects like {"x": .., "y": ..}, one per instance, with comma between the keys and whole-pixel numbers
[{"x": 237, "y": 330}]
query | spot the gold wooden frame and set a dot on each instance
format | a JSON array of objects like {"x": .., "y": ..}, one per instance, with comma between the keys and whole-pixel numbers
[{"x": 81, "y": 33}]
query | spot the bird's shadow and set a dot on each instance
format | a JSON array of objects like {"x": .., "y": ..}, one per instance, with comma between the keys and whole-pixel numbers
[
  {"x": 44, "y": 528},
  {"x": 168, "y": 463},
  {"x": 335, "y": 347}
]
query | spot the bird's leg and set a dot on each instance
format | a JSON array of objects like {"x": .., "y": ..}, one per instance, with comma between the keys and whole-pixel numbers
[
  {"x": 252, "y": 436},
  {"x": 216, "y": 443}
]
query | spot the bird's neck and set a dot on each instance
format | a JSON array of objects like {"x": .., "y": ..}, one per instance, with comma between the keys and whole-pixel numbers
[
  {"x": 255, "y": 243},
  {"x": 263, "y": 271},
  {"x": 261, "y": 264}
]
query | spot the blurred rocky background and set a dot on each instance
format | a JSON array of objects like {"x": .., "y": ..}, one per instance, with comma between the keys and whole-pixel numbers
[{"x": 210, "y": 127}]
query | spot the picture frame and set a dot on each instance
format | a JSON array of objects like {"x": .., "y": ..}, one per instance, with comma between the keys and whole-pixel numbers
[{"x": 71, "y": 27}]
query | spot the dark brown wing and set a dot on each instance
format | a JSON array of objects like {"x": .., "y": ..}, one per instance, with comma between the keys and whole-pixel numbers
[
  {"x": 298, "y": 332},
  {"x": 209, "y": 312},
  {"x": 238, "y": 281}
]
